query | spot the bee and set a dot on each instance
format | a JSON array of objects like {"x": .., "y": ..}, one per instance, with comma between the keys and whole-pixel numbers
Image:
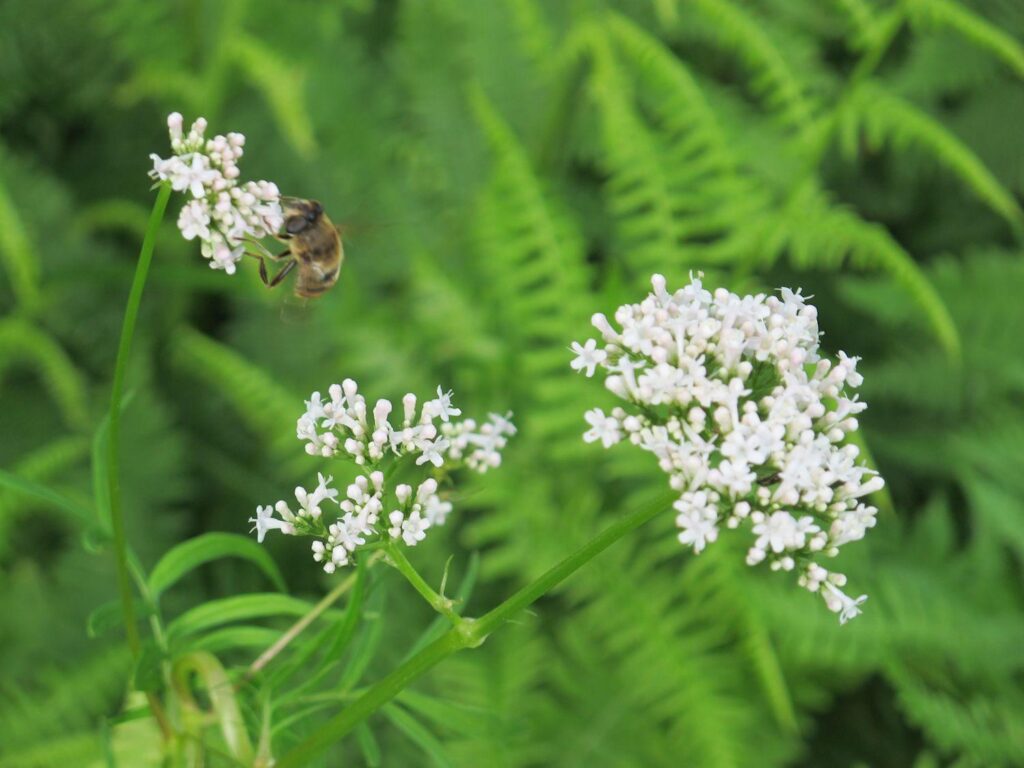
[{"x": 314, "y": 248}]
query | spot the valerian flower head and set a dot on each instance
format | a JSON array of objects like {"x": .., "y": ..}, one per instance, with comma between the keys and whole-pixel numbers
[
  {"x": 374, "y": 438},
  {"x": 751, "y": 425},
  {"x": 222, "y": 212}
]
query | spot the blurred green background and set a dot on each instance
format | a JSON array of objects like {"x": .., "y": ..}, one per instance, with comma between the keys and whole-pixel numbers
[{"x": 505, "y": 169}]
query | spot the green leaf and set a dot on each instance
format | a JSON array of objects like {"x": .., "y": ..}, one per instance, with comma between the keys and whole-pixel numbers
[
  {"x": 108, "y": 616},
  {"x": 239, "y": 608},
  {"x": 368, "y": 746},
  {"x": 148, "y": 672},
  {"x": 206, "y": 548},
  {"x": 222, "y": 699},
  {"x": 418, "y": 734},
  {"x": 79, "y": 512},
  {"x": 333, "y": 640},
  {"x": 366, "y": 644},
  {"x": 230, "y": 638},
  {"x": 458, "y": 717}
]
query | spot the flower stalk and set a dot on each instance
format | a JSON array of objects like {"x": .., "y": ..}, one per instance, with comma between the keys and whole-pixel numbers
[
  {"x": 440, "y": 603},
  {"x": 469, "y": 633},
  {"x": 124, "y": 348}
]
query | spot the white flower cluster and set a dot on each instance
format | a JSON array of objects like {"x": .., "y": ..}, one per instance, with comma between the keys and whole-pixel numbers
[
  {"x": 222, "y": 211},
  {"x": 360, "y": 517},
  {"x": 343, "y": 424},
  {"x": 731, "y": 396}
]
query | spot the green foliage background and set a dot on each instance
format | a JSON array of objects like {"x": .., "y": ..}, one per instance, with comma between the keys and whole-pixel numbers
[{"x": 506, "y": 169}]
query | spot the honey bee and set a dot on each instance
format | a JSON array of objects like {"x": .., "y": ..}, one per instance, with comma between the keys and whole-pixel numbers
[{"x": 314, "y": 247}]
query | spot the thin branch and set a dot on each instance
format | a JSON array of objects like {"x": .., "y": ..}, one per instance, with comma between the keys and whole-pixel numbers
[{"x": 299, "y": 626}]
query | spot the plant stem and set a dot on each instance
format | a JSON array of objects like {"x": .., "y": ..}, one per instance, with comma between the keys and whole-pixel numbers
[
  {"x": 438, "y": 602},
  {"x": 131, "y": 313},
  {"x": 469, "y": 633}
]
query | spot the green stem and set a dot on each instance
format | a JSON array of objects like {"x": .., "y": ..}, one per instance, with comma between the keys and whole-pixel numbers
[
  {"x": 438, "y": 602},
  {"x": 469, "y": 633},
  {"x": 131, "y": 313}
]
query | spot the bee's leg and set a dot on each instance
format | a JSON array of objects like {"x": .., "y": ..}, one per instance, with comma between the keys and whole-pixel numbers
[
  {"x": 264, "y": 252},
  {"x": 281, "y": 275},
  {"x": 281, "y": 256}
]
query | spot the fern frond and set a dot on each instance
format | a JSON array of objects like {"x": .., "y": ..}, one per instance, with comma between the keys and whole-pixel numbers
[
  {"x": 710, "y": 194},
  {"x": 862, "y": 18},
  {"x": 54, "y": 458},
  {"x": 261, "y": 403},
  {"x": 534, "y": 32},
  {"x": 16, "y": 251},
  {"x": 282, "y": 85},
  {"x": 68, "y": 699},
  {"x": 742, "y": 35},
  {"x": 982, "y": 730},
  {"x": 25, "y": 344},
  {"x": 954, "y": 16},
  {"x": 534, "y": 254},
  {"x": 638, "y": 189},
  {"x": 504, "y": 688},
  {"x": 656, "y": 619},
  {"x": 813, "y": 232},
  {"x": 886, "y": 117},
  {"x": 667, "y": 88}
]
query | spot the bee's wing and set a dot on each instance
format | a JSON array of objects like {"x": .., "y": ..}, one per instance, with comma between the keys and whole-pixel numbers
[{"x": 295, "y": 310}]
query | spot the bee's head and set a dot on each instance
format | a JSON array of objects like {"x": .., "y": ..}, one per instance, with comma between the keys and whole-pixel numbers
[{"x": 301, "y": 214}]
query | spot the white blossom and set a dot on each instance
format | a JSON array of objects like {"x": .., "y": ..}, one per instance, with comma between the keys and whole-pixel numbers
[
  {"x": 442, "y": 406},
  {"x": 433, "y": 451},
  {"x": 222, "y": 212},
  {"x": 838, "y": 602},
  {"x": 588, "y": 356},
  {"x": 697, "y": 520},
  {"x": 194, "y": 220},
  {"x": 344, "y": 425},
  {"x": 750, "y": 423},
  {"x": 265, "y": 521},
  {"x": 411, "y": 529},
  {"x": 607, "y": 429}
]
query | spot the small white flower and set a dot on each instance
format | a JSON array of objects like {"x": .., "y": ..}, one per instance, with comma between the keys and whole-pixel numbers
[
  {"x": 193, "y": 175},
  {"x": 588, "y": 357},
  {"x": 194, "y": 220},
  {"x": 697, "y": 520},
  {"x": 435, "y": 510},
  {"x": 265, "y": 521},
  {"x": 226, "y": 258},
  {"x": 442, "y": 406},
  {"x": 782, "y": 531},
  {"x": 433, "y": 452},
  {"x": 412, "y": 529},
  {"x": 838, "y": 602},
  {"x": 310, "y": 501},
  {"x": 603, "y": 428}
]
